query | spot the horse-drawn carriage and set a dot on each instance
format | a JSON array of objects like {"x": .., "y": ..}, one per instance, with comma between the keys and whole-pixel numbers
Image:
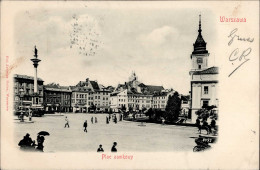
[{"x": 203, "y": 143}]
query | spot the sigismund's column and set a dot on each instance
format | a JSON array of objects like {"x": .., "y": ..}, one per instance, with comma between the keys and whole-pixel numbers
[{"x": 35, "y": 61}]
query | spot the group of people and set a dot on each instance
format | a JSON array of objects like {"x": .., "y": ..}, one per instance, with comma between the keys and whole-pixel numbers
[
  {"x": 113, "y": 149},
  {"x": 85, "y": 124},
  {"x": 92, "y": 120},
  {"x": 108, "y": 118},
  {"x": 204, "y": 125},
  {"x": 28, "y": 144},
  {"x": 23, "y": 113}
]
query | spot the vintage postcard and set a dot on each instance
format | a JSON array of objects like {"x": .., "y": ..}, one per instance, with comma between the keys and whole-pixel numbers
[{"x": 129, "y": 85}]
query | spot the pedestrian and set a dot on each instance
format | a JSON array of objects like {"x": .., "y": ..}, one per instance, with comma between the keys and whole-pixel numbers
[
  {"x": 26, "y": 141},
  {"x": 22, "y": 116},
  {"x": 198, "y": 124},
  {"x": 107, "y": 120},
  {"x": 40, "y": 140},
  {"x": 95, "y": 119},
  {"x": 85, "y": 125},
  {"x": 92, "y": 119},
  {"x": 100, "y": 149},
  {"x": 163, "y": 120},
  {"x": 115, "y": 120},
  {"x": 185, "y": 118},
  {"x": 113, "y": 149},
  {"x": 30, "y": 114},
  {"x": 66, "y": 122},
  {"x": 213, "y": 123}
]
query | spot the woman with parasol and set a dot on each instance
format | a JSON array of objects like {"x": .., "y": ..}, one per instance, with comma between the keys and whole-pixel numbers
[{"x": 40, "y": 140}]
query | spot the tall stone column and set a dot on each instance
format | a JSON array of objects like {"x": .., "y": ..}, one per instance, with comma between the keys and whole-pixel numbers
[{"x": 35, "y": 61}]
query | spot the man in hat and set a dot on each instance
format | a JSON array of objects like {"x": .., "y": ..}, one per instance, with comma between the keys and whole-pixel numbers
[
  {"x": 100, "y": 149},
  {"x": 113, "y": 149}
]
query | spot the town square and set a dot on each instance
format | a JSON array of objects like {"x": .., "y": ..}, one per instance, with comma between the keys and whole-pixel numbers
[
  {"x": 129, "y": 85},
  {"x": 130, "y": 136},
  {"x": 101, "y": 104}
]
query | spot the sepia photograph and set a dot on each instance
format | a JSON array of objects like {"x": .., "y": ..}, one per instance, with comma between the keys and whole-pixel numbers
[{"x": 119, "y": 80}]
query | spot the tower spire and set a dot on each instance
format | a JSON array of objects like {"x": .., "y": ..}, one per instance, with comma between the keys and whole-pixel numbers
[
  {"x": 200, "y": 25},
  {"x": 200, "y": 44}
]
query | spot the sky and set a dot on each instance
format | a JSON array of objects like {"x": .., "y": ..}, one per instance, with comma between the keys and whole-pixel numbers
[{"x": 107, "y": 44}]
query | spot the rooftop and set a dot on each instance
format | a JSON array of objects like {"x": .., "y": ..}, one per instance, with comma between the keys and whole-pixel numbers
[
  {"x": 26, "y": 77},
  {"x": 211, "y": 70}
]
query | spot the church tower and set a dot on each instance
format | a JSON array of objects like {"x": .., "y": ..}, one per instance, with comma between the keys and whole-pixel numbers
[
  {"x": 204, "y": 79},
  {"x": 200, "y": 54}
]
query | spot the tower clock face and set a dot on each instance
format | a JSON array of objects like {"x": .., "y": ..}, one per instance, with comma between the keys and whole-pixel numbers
[{"x": 199, "y": 60}]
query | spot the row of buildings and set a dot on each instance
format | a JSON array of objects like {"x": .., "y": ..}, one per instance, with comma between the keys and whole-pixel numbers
[{"x": 87, "y": 96}]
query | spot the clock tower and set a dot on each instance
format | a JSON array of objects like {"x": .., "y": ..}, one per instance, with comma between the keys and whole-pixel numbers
[
  {"x": 204, "y": 79},
  {"x": 199, "y": 55}
]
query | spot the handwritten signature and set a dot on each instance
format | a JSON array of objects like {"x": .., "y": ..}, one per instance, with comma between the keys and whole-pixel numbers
[
  {"x": 236, "y": 57},
  {"x": 233, "y": 35}
]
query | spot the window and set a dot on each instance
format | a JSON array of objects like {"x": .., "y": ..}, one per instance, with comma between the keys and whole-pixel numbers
[
  {"x": 206, "y": 89},
  {"x": 199, "y": 60},
  {"x": 205, "y": 102},
  {"x": 199, "y": 66}
]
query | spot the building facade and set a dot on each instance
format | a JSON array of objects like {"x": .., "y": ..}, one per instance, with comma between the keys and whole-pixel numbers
[
  {"x": 136, "y": 96},
  {"x": 57, "y": 98},
  {"x": 90, "y": 96},
  {"x": 24, "y": 92},
  {"x": 204, "y": 79},
  {"x": 160, "y": 99},
  {"x": 82, "y": 99}
]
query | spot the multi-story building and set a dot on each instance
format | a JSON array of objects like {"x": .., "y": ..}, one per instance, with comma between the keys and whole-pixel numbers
[
  {"x": 88, "y": 95},
  {"x": 82, "y": 98},
  {"x": 24, "y": 92},
  {"x": 57, "y": 98},
  {"x": 102, "y": 99},
  {"x": 138, "y": 96},
  {"x": 160, "y": 99},
  {"x": 204, "y": 79}
]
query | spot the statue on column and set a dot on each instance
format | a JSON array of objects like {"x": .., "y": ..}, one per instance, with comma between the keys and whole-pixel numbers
[{"x": 35, "y": 52}]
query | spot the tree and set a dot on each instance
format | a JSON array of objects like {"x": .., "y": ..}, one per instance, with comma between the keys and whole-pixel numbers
[
  {"x": 205, "y": 111},
  {"x": 173, "y": 107},
  {"x": 149, "y": 113},
  {"x": 144, "y": 109}
]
